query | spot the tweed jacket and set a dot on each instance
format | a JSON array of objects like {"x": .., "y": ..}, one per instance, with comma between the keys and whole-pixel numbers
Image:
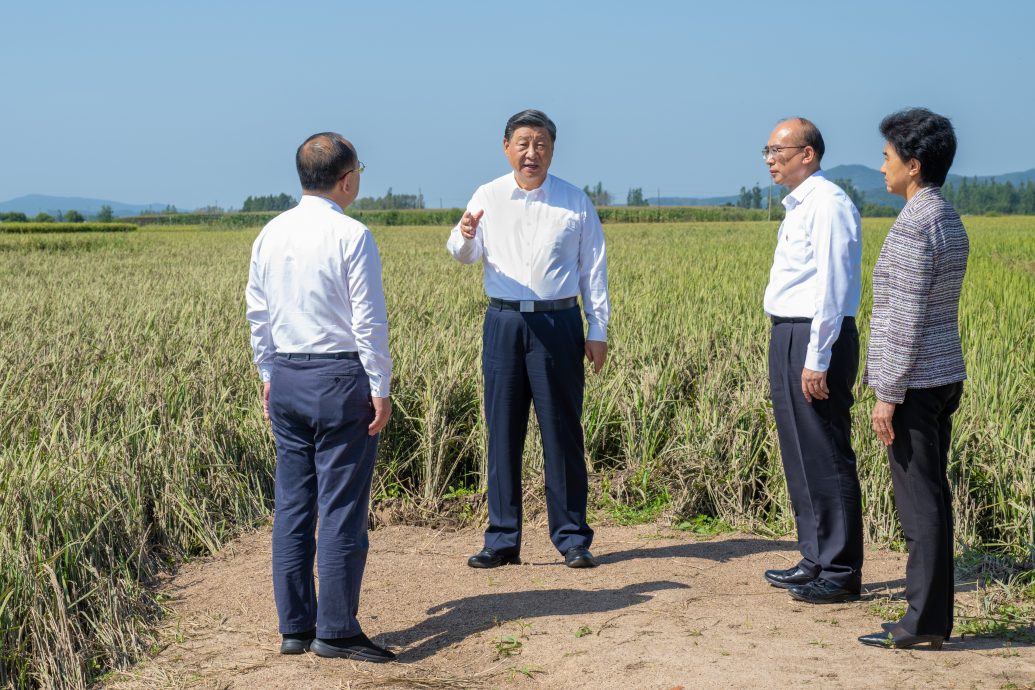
[{"x": 914, "y": 337}]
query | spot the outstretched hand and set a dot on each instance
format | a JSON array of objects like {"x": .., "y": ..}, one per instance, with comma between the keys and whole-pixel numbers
[{"x": 469, "y": 223}]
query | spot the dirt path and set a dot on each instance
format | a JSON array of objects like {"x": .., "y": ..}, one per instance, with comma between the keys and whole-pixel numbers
[{"x": 665, "y": 609}]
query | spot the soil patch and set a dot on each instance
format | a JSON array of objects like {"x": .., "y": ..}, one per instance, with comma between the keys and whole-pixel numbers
[{"x": 665, "y": 609}]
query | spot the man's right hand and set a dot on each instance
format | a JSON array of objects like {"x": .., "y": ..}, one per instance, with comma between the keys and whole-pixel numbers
[
  {"x": 382, "y": 411},
  {"x": 469, "y": 224}
]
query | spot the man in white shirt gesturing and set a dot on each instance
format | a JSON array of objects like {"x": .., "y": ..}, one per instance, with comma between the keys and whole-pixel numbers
[
  {"x": 320, "y": 336},
  {"x": 541, "y": 246},
  {"x": 811, "y": 299}
]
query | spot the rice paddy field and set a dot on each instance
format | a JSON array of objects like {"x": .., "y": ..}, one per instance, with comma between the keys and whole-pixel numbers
[{"x": 131, "y": 434}]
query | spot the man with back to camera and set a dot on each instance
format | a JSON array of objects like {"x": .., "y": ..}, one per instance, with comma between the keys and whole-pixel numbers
[
  {"x": 320, "y": 336},
  {"x": 541, "y": 245},
  {"x": 811, "y": 299}
]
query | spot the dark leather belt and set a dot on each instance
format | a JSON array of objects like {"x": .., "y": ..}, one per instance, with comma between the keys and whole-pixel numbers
[
  {"x": 319, "y": 355},
  {"x": 777, "y": 320},
  {"x": 534, "y": 304}
]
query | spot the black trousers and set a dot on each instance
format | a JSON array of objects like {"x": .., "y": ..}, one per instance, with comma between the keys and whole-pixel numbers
[
  {"x": 919, "y": 457},
  {"x": 535, "y": 357},
  {"x": 815, "y": 445}
]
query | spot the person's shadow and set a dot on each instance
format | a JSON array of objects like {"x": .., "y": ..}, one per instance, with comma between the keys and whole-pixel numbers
[
  {"x": 455, "y": 620},
  {"x": 720, "y": 551}
]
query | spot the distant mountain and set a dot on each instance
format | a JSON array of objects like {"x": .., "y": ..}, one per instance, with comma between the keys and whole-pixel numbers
[
  {"x": 32, "y": 204},
  {"x": 867, "y": 180}
]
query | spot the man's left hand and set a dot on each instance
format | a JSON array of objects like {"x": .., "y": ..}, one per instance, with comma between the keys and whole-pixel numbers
[
  {"x": 596, "y": 352},
  {"x": 266, "y": 401},
  {"x": 881, "y": 418},
  {"x": 814, "y": 385}
]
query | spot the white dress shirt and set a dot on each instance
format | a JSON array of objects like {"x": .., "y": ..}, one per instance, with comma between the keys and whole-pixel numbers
[
  {"x": 817, "y": 268},
  {"x": 542, "y": 244},
  {"x": 315, "y": 287}
]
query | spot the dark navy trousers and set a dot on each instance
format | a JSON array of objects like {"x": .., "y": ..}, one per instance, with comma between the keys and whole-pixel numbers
[
  {"x": 816, "y": 448},
  {"x": 535, "y": 357},
  {"x": 320, "y": 410},
  {"x": 919, "y": 459}
]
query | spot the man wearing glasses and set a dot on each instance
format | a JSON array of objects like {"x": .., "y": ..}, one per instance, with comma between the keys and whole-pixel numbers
[
  {"x": 541, "y": 246},
  {"x": 811, "y": 299},
  {"x": 320, "y": 336}
]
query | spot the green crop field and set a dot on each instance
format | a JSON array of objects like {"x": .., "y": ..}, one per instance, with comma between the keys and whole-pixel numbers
[{"x": 131, "y": 434}]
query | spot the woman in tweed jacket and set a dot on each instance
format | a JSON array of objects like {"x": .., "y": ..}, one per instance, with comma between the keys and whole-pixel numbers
[{"x": 915, "y": 364}]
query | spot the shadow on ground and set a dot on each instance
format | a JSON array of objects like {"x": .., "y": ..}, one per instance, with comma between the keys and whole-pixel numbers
[
  {"x": 456, "y": 620},
  {"x": 721, "y": 551}
]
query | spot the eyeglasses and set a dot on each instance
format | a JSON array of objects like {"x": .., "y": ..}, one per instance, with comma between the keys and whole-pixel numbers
[
  {"x": 360, "y": 167},
  {"x": 774, "y": 151}
]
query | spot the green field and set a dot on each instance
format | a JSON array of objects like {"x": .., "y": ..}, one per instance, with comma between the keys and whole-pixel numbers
[{"x": 132, "y": 437}]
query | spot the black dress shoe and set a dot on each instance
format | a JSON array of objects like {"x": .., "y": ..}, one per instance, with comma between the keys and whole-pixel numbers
[
  {"x": 888, "y": 627},
  {"x": 897, "y": 638},
  {"x": 491, "y": 558},
  {"x": 297, "y": 643},
  {"x": 821, "y": 591},
  {"x": 579, "y": 557},
  {"x": 358, "y": 647},
  {"x": 788, "y": 578}
]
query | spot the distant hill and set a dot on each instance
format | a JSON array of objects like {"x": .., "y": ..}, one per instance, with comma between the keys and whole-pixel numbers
[
  {"x": 867, "y": 180},
  {"x": 32, "y": 204}
]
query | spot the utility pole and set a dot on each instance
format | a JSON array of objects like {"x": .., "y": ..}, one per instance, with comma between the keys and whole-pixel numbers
[{"x": 770, "y": 201}]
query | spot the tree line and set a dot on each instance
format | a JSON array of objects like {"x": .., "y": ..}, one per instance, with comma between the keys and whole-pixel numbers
[
  {"x": 270, "y": 202},
  {"x": 988, "y": 196}
]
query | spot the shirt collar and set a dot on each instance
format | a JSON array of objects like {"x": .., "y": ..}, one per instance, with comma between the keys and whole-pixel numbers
[
  {"x": 540, "y": 193},
  {"x": 797, "y": 196},
  {"x": 315, "y": 201}
]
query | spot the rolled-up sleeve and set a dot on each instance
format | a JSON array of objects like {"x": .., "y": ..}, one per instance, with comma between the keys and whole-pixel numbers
[
  {"x": 836, "y": 249},
  {"x": 369, "y": 313},
  {"x": 593, "y": 276}
]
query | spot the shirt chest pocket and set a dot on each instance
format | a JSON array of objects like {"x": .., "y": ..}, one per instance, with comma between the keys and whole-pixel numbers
[{"x": 564, "y": 233}]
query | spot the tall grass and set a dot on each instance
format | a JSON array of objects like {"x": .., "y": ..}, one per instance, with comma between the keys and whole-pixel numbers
[{"x": 131, "y": 434}]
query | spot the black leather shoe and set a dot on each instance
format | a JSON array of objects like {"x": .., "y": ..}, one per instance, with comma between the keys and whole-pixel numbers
[
  {"x": 821, "y": 591},
  {"x": 296, "y": 643},
  {"x": 788, "y": 578},
  {"x": 579, "y": 557},
  {"x": 897, "y": 638},
  {"x": 888, "y": 627},
  {"x": 491, "y": 558},
  {"x": 358, "y": 647}
]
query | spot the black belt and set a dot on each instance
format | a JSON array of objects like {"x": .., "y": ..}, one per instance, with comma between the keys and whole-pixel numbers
[
  {"x": 534, "y": 304},
  {"x": 777, "y": 320},
  {"x": 319, "y": 355}
]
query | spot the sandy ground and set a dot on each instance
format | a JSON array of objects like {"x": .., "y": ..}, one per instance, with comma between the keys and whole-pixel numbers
[{"x": 665, "y": 609}]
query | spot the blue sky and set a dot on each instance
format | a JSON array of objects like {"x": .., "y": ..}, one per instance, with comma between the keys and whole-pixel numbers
[{"x": 194, "y": 103}]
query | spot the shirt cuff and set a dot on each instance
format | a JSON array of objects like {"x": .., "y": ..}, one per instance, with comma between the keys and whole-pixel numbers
[
  {"x": 598, "y": 333},
  {"x": 265, "y": 373},
  {"x": 379, "y": 389},
  {"x": 817, "y": 361}
]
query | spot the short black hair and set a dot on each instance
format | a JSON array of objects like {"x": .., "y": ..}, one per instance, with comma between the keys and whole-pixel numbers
[
  {"x": 810, "y": 135},
  {"x": 530, "y": 118},
  {"x": 322, "y": 159},
  {"x": 928, "y": 137}
]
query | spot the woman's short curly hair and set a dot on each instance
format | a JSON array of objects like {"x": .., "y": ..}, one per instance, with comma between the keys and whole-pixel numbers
[{"x": 928, "y": 137}]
